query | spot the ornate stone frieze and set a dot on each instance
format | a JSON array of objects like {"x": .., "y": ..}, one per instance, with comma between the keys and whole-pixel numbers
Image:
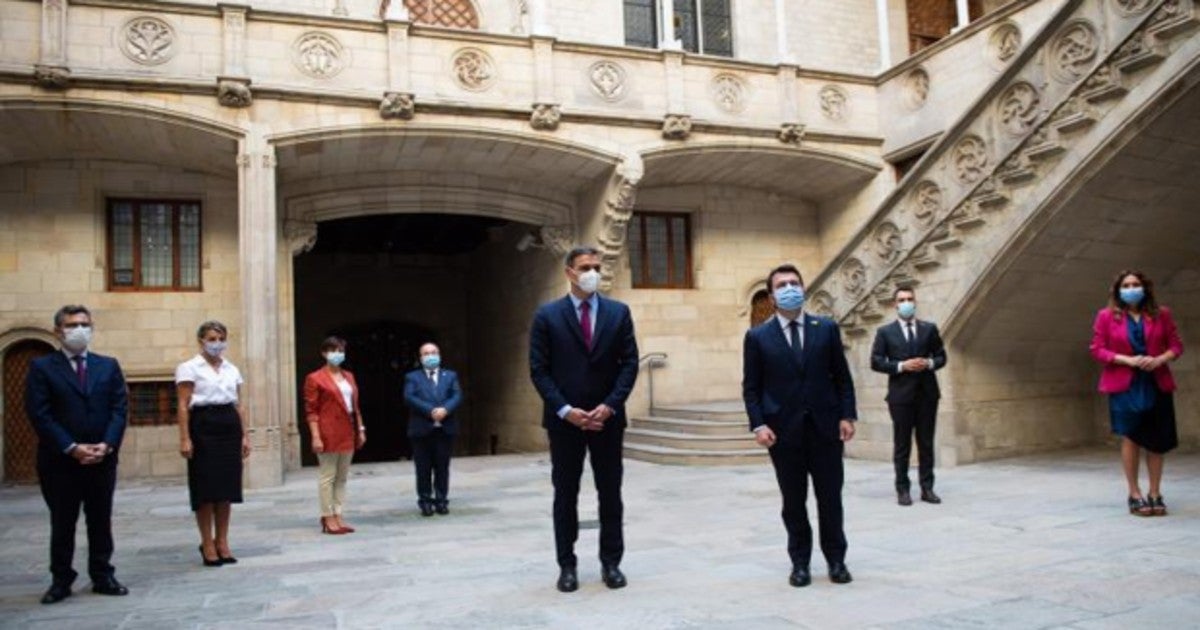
[
  {"x": 790, "y": 133},
  {"x": 608, "y": 80},
  {"x": 1132, "y": 7},
  {"x": 557, "y": 239},
  {"x": 473, "y": 69},
  {"x": 821, "y": 303},
  {"x": 52, "y": 77},
  {"x": 1018, "y": 107},
  {"x": 1104, "y": 84},
  {"x": 234, "y": 92},
  {"x": 1138, "y": 52},
  {"x": 927, "y": 203},
  {"x": 1174, "y": 17},
  {"x": 677, "y": 126},
  {"x": 318, "y": 55},
  {"x": 970, "y": 159},
  {"x": 147, "y": 40},
  {"x": 886, "y": 242},
  {"x": 1004, "y": 43},
  {"x": 545, "y": 116},
  {"x": 1016, "y": 169},
  {"x": 1074, "y": 50},
  {"x": 834, "y": 102},
  {"x": 1073, "y": 115},
  {"x": 618, "y": 208},
  {"x": 854, "y": 277},
  {"x": 728, "y": 91},
  {"x": 916, "y": 88},
  {"x": 397, "y": 105}
]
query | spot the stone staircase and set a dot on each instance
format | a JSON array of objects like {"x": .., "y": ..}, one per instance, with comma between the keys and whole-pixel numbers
[{"x": 699, "y": 434}]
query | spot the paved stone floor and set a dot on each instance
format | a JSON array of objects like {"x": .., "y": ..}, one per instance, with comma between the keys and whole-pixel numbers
[{"x": 1035, "y": 542}]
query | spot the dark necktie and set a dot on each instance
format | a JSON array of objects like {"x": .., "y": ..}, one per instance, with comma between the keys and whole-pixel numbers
[
  {"x": 585, "y": 322},
  {"x": 432, "y": 377},
  {"x": 912, "y": 340},
  {"x": 80, "y": 370},
  {"x": 797, "y": 345}
]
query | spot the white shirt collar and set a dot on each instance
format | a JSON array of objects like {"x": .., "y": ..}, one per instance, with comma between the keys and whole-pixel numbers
[
  {"x": 783, "y": 321},
  {"x": 71, "y": 357},
  {"x": 592, "y": 299}
]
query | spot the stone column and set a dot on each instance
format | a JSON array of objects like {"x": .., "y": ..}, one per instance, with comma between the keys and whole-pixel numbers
[
  {"x": 258, "y": 232},
  {"x": 539, "y": 21},
  {"x": 781, "y": 33},
  {"x": 885, "y": 35},
  {"x": 964, "y": 13}
]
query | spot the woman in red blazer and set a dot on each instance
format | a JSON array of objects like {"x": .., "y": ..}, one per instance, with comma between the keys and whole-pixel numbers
[
  {"x": 1134, "y": 338},
  {"x": 336, "y": 426}
]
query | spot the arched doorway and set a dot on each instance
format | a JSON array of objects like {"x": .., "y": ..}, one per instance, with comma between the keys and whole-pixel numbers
[
  {"x": 761, "y": 307},
  {"x": 20, "y": 442}
]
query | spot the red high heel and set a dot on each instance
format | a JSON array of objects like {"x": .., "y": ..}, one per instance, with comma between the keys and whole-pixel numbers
[
  {"x": 326, "y": 529},
  {"x": 346, "y": 528}
]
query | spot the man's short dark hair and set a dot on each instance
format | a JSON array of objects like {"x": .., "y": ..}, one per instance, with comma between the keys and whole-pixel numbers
[
  {"x": 69, "y": 310},
  {"x": 211, "y": 324},
  {"x": 784, "y": 268},
  {"x": 583, "y": 250},
  {"x": 333, "y": 342},
  {"x": 902, "y": 289}
]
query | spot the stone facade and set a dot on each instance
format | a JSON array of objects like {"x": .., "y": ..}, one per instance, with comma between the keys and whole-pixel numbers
[{"x": 284, "y": 116}]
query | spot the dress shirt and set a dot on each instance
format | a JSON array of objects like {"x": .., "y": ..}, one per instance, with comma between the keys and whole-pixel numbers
[
  {"x": 594, "y": 303},
  {"x": 71, "y": 362},
  {"x": 785, "y": 322},
  {"x": 211, "y": 386},
  {"x": 904, "y": 332}
]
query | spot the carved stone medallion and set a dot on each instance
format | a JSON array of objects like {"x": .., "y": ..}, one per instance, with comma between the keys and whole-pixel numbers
[
  {"x": 927, "y": 203},
  {"x": 401, "y": 105},
  {"x": 833, "y": 102},
  {"x": 319, "y": 55},
  {"x": 1019, "y": 108},
  {"x": 970, "y": 159},
  {"x": 147, "y": 40},
  {"x": 608, "y": 80},
  {"x": 729, "y": 93},
  {"x": 1073, "y": 51},
  {"x": 854, "y": 277},
  {"x": 473, "y": 69},
  {"x": 886, "y": 242},
  {"x": 1133, "y": 7},
  {"x": 821, "y": 303},
  {"x": 916, "y": 88},
  {"x": 1004, "y": 43}
]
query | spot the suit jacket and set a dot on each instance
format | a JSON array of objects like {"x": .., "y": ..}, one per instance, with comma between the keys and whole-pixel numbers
[
  {"x": 63, "y": 413},
  {"x": 891, "y": 348},
  {"x": 565, "y": 372},
  {"x": 779, "y": 390},
  {"x": 324, "y": 405},
  {"x": 1110, "y": 337},
  {"x": 422, "y": 398}
]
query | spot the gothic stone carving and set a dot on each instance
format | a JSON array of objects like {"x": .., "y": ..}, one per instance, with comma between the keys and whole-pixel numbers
[
  {"x": 833, "y": 102},
  {"x": 854, "y": 277},
  {"x": 618, "y": 208},
  {"x": 147, "y": 40},
  {"x": 927, "y": 203},
  {"x": 1019, "y": 108},
  {"x": 608, "y": 80},
  {"x": 970, "y": 159},
  {"x": 1133, "y": 7},
  {"x": 677, "y": 127},
  {"x": 1004, "y": 42},
  {"x": 1074, "y": 51},
  {"x": 729, "y": 93},
  {"x": 916, "y": 88},
  {"x": 821, "y": 303},
  {"x": 545, "y": 116},
  {"x": 301, "y": 236},
  {"x": 473, "y": 69},
  {"x": 52, "y": 77},
  {"x": 397, "y": 105},
  {"x": 319, "y": 55},
  {"x": 887, "y": 242},
  {"x": 557, "y": 239},
  {"x": 234, "y": 92},
  {"x": 1137, "y": 53},
  {"x": 790, "y": 133}
]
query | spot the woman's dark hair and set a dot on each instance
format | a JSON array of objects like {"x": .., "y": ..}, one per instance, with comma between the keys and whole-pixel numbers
[
  {"x": 211, "y": 324},
  {"x": 333, "y": 342},
  {"x": 1148, "y": 305}
]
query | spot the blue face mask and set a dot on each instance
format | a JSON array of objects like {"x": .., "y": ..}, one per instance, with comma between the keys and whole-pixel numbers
[
  {"x": 335, "y": 357},
  {"x": 789, "y": 297},
  {"x": 1133, "y": 295},
  {"x": 906, "y": 309},
  {"x": 431, "y": 361}
]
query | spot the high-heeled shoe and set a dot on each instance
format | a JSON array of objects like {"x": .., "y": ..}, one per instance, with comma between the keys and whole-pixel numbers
[
  {"x": 346, "y": 528},
  {"x": 207, "y": 562},
  {"x": 326, "y": 529}
]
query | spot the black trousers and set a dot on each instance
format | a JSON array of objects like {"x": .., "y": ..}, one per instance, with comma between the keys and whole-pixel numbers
[
  {"x": 816, "y": 456},
  {"x": 567, "y": 450},
  {"x": 431, "y": 456},
  {"x": 66, "y": 487},
  {"x": 921, "y": 416}
]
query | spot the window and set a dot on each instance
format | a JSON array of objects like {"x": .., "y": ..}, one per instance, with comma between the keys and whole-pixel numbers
[
  {"x": 152, "y": 403},
  {"x": 660, "y": 250},
  {"x": 448, "y": 13},
  {"x": 153, "y": 245},
  {"x": 704, "y": 26}
]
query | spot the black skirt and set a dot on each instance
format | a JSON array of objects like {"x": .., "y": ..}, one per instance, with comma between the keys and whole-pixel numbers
[
  {"x": 1153, "y": 430},
  {"x": 215, "y": 469}
]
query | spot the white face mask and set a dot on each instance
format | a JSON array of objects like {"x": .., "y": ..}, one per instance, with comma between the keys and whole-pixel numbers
[
  {"x": 77, "y": 339},
  {"x": 215, "y": 348},
  {"x": 589, "y": 281}
]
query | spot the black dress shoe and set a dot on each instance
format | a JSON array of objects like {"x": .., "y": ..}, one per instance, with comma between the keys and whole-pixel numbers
[
  {"x": 56, "y": 593},
  {"x": 228, "y": 560},
  {"x": 442, "y": 508},
  {"x": 426, "y": 510},
  {"x": 800, "y": 577},
  {"x": 838, "y": 573},
  {"x": 207, "y": 562},
  {"x": 567, "y": 580},
  {"x": 928, "y": 496},
  {"x": 903, "y": 497},
  {"x": 612, "y": 576},
  {"x": 109, "y": 587}
]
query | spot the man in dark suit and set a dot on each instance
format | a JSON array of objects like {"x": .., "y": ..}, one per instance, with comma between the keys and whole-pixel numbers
[
  {"x": 799, "y": 396},
  {"x": 909, "y": 351},
  {"x": 77, "y": 403},
  {"x": 433, "y": 395},
  {"x": 583, "y": 360}
]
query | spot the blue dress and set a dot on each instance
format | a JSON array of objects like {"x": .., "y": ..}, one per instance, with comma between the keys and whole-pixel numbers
[{"x": 1142, "y": 413}]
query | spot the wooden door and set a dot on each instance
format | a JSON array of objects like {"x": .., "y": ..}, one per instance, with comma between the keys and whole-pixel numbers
[
  {"x": 761, "y": 308},
  {"x": 20, "y": 442}
]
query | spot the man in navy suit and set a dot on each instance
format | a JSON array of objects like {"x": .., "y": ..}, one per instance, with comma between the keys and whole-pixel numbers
[
  {"x": 433, "y": 395},
  {"x": 583, "y": 360},
  {"x": 909, "y": 351},
  {"x": 77, "y": 403},
  {"x": 799, "y": 396}
]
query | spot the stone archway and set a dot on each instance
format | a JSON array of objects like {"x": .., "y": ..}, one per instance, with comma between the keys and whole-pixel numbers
[
  {"x": 761, "y": 307},
  {"x": 20, "y": 440}
]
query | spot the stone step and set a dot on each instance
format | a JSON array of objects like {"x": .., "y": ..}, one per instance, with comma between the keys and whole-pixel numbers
[
  {"x": 689, "y": 441},
  {"x": 691, "y": 426},
  {"x": 689, "y": 457},
  {"x": 721, "y": 410}
]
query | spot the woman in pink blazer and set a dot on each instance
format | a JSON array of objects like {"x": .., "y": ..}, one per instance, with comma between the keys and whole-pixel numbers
[{"x": 1134, "y": 338}]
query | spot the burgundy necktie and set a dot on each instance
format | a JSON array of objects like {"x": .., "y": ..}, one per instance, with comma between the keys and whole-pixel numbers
[
  {"x": 80, "y": 370},
  {"x": 585, "y": 321}
]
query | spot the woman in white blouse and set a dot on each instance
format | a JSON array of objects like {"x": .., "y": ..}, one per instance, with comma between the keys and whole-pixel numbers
[
  {"x": 213, "y": 438},
  {"x": 336, "y": 426}
]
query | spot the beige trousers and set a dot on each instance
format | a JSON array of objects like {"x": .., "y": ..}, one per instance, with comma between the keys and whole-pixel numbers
[{"x": 331, "y": 481}]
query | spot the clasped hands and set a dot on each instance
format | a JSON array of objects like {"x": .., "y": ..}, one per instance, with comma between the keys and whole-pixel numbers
[
  {"x": 88, "y": 454},
  {"x": 590, "y": 420},
  {"x": 1143, "y": 362},
  {"x": 917, "y": 364}
]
